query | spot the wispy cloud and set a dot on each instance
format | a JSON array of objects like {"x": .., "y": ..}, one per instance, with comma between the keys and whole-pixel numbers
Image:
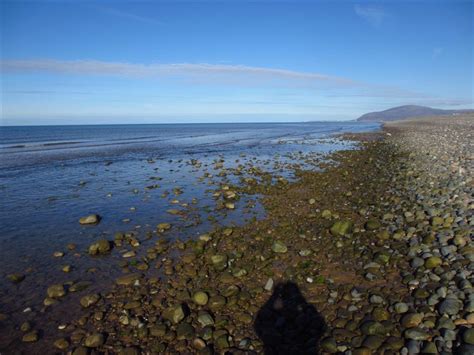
[
  {"x": 220, "y": 73},
  {"x": 371, "y": 14}
]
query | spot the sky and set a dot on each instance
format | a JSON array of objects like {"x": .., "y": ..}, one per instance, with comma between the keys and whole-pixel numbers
[{"x": 83, "y": 62}]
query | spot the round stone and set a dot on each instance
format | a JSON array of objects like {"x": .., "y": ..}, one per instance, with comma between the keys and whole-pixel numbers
[
  {"x": 411, "y": 320},
  {"x": 201, "y": 298},
  {"x": 433, "y": 262},
  {"x": 401, "y": 307}
]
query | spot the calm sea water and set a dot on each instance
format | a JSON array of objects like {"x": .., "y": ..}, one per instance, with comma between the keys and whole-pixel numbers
[{"x": 129, "y": 174}]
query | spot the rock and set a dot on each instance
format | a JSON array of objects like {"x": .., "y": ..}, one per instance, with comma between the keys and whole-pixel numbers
[
  {"x": 25, "y": 327},
  {"x": 61, "y": 344},
  {"x": 80, "y": 350},
  {"x": 16, "y": 278},
  {"x": 341, "y": 228},
  {"x": 411, "y": 320},
  {"x": 80, "y": 286},
  {"x": 279, "y": 247},
  {"x": 433, "y": 262},
  {"x": 401, "y": 307},
  {"x": 94, "y": 341},
  {"x": 416, "y": 334},
  {"x": 30, "y": 337},
  {"x": 199, "y": 344},
  {"x": 429, "y": 348},
  {"x": 174, "y": 314},
  {"x": 184, "y": 331},
  {"x": 163, "y": 227},
  {"x": 372, "y": 224},
  {"x": 305, "y": 252},
  {"x": 468, "y": 336},
  {"x": 127, "y": 280},
  {"x": 326, "y": 214},
  {"x": 372, "y": 328},
  {"x": 373, "y": 342},
  {"x": 329, "y": 345},
  {"x": 91, "y": 219},
  {"x": 56, "y": 291},
  {"x": 219, "y": 261},
  {"x": 437, "y": 221},
  {"x": 205, "y": 319},
  {"x": 101, "y": 246},
  {"x": 89, "y": 300},
  {"x": 200, "y": 298},
  {"x": 269, "y": 284},
  {"x": 450, "y": 306}
]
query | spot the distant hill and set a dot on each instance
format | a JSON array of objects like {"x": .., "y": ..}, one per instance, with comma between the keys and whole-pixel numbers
[{"x": 405, "y": 112}]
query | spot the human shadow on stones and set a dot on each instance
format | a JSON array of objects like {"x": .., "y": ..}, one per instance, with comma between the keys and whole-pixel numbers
[{"x": 288, "y": 324}]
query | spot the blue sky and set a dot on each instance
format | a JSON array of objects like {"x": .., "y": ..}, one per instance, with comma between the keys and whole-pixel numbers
[{"x": 73, "y": 62}]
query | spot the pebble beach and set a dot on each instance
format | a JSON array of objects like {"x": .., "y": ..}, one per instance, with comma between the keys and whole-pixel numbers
[{"x": 370, "y": 253}]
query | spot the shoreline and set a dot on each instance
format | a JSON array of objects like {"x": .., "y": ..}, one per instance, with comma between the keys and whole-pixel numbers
[{"x": 341, "y": 262}]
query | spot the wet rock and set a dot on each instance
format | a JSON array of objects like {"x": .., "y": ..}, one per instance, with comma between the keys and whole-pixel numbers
[
  {"x": 163, "y": 227},
  {"x": 101, "y": 246},
  {"x": 61, "y": 344},
  {"x": 30, "y": 337},
  {"x": 80, "y": 286},
  {"x": 128, "y": 279},
  {"x": 56, "y": 291},
  {"x": 91, "y": 219},
  {"x": 16, "y": 278},
  {"x": 89, "y": 300},
  {"x": 25, "y": 326}
]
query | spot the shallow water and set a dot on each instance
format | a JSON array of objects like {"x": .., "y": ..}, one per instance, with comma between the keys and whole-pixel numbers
[{"x": 52, "y": 176}]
